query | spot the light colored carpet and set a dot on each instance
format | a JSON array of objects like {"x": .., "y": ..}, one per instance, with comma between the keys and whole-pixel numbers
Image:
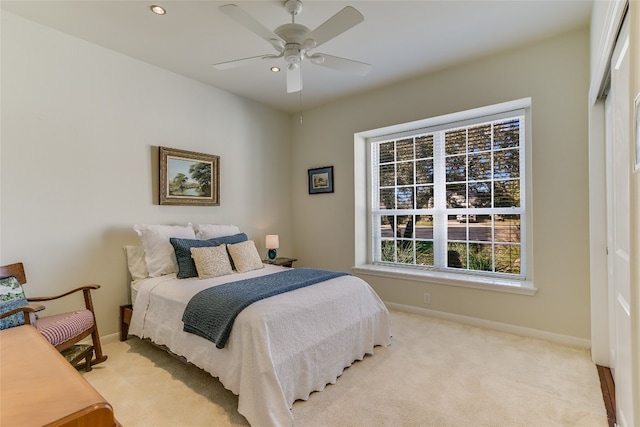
[{"x": 435, "y": 373}]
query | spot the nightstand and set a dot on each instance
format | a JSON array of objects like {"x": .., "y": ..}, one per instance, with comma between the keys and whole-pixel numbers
[
  {"x": 284, "y": 262},
  {"x": 126, "y": 311}
]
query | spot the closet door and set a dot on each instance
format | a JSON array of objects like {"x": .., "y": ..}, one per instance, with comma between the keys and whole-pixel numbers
[{"x": 619, "y": 169}]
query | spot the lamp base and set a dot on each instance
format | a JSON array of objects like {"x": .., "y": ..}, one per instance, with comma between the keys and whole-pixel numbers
[{"x": 272, "y": 254}]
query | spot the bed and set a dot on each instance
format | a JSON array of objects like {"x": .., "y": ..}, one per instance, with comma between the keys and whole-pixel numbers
[{"x": 281, "y": 349}]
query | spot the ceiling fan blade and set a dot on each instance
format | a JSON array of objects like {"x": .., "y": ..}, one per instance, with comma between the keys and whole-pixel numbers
[
  {"x": 336, "y": 25},
  {"x": 294, "y": 78},
  {"x": 341, "y": 64},
  {"x": 242, "y": 62},
  {"x": 247, "y": 21}
]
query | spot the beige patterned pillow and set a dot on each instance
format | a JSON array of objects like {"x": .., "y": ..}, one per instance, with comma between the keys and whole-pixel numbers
[
  {"x": 245, "y": 256},
  {"x": 211, "y": 261}
]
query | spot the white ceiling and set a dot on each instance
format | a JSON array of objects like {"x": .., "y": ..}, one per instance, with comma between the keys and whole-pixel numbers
[{"x": 401, "y": 39}]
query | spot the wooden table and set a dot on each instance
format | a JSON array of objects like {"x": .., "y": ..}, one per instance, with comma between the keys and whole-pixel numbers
[{"x": 38, "y": 387}]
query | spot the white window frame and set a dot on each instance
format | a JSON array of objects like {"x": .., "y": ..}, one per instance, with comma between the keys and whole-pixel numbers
[{"x": 364, "y": 250}]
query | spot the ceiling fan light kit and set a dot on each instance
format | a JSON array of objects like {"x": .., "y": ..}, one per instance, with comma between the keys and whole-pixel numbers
[{"x": 294, "y": 41}]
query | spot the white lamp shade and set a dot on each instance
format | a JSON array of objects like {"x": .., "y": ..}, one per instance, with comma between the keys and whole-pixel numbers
[{"x": 272, "y": 241}]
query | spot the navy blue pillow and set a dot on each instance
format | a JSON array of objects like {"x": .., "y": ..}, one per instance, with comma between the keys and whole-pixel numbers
[{"x": 182, "y": 248}]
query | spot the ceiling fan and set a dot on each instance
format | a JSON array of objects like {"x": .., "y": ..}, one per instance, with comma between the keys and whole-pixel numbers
[{"x": 294, "y": 41}]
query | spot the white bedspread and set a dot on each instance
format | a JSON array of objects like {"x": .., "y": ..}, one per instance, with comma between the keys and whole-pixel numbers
[{"x": 281, "y": 348}]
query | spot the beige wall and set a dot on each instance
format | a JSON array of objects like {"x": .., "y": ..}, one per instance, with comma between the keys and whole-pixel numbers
[
  {"x": 555, "y": 74},
  {"x": 80, "y": 123},
  {"x": 79, "y": 165}
]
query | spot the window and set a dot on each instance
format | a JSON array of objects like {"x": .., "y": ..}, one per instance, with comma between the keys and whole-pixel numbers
[{"x": 449, "y": 197}]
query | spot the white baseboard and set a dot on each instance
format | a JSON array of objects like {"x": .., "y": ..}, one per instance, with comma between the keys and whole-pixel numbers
[
  {"x": 472, "y": 321},
  {"x": 489, "y": 324},
  {"x": 110, "y": 338},
  {"x": 104, "y": 339}
]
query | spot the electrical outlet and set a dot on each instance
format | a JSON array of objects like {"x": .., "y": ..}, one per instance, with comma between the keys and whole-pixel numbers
[{"x": 427, "y": 298}]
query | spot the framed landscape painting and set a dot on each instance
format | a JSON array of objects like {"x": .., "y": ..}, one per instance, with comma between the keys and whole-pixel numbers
[
  {"x": 188, "y": 178},
  {"x": 321, "y": 180}
]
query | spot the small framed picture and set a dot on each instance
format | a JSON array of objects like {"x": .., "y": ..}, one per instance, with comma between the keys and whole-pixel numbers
[
  {"x": 321, "y": 180},
  {"x": 636, "y": 132},
  {"x": 188, "y": 178}
]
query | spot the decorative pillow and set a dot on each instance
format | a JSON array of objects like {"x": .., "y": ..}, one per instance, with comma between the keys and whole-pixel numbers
[
  {"x": 245, "y": 256},
  {"x": 211, "y": 231},
  {"x": 212, "y": 261},
  {"x": 135, "y": 262},
  {"x": 182, "y": 248},
  {"x": 11, "y": 297},
  {"x": 158, "y": 252}
]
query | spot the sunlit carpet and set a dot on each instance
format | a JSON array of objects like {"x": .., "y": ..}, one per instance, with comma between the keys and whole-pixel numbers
[{"x": 435, "y": 373}]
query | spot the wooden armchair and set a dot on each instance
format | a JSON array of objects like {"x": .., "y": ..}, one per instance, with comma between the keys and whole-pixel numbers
[{"x": 63, "y": 330}]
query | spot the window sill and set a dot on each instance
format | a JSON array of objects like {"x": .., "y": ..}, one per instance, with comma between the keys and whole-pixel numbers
[{"x": 453, "y": 279}]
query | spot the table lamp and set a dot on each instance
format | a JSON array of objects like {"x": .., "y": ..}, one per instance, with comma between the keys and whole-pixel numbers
[{"x": 272, "y": 243}]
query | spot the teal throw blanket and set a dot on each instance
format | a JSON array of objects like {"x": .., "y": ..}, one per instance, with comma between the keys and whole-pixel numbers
[{"x": 211, "y": 312}]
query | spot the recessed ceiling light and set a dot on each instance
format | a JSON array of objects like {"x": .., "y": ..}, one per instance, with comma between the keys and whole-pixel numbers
[
  {"x": 275, "y": 69},
  {"x": 158, "y": 10}
]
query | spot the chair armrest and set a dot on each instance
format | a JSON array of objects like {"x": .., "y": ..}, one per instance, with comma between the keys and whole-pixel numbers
[
  {"x": 26, "y": 310},
  {"x": 82, "y": 288}
]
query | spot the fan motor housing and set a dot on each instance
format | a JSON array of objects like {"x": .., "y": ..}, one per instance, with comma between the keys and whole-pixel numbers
[
  {"x": 292, "y": 33},
  {"x": 294, "y": 37}
]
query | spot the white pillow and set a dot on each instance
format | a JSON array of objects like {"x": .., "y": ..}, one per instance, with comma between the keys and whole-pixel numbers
[
  {"x": 211, "y": 261},
  {"x": 245, "y": 256},
  {"x": 211, "y": 231},
  {"x": 135, "y": 262},
  {"x": 158, "y": 251}
]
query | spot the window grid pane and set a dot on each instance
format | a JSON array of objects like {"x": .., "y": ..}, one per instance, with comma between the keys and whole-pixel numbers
[{"x": 480, "y": 170}]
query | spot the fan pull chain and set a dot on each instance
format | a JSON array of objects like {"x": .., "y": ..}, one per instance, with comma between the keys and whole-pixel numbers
[{"x": 300, "y": 106}]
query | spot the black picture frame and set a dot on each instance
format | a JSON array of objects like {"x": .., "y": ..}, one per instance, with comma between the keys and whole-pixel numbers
[{"x": 321, "y": 180}]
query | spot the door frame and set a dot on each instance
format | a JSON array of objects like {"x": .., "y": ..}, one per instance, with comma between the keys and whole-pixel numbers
[
  {"x": 597, "y": 185},
  {"x": 604, "y": 34}
]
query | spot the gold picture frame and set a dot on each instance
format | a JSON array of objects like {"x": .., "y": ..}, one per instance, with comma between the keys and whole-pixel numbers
[{"x": 188, "y": 178}]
